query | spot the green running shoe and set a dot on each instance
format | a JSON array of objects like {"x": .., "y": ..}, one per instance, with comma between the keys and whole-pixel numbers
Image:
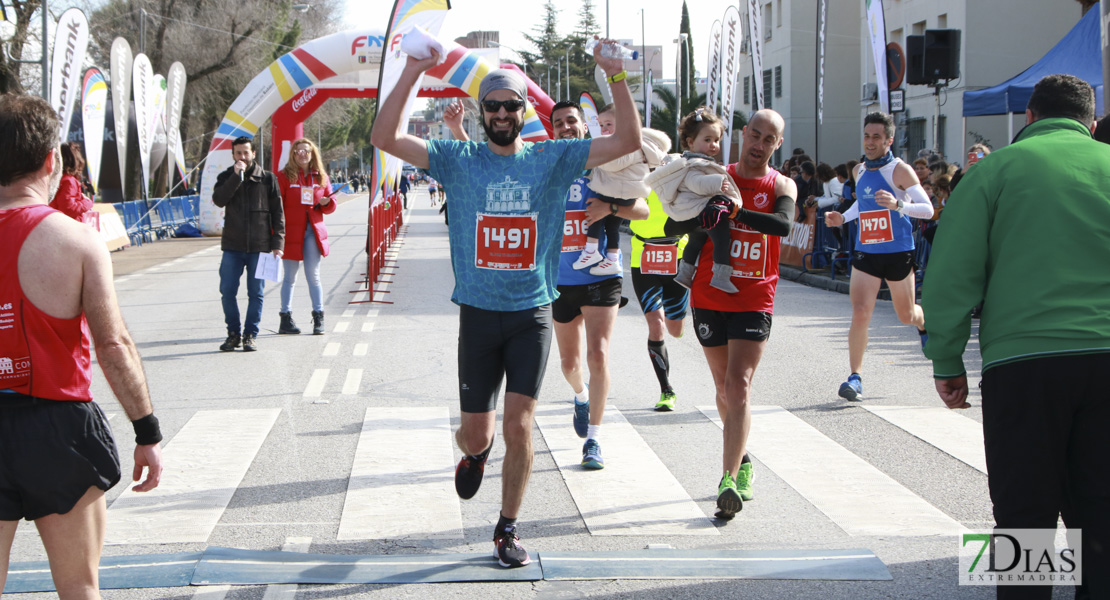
[
  {"x": 666, "y": 401},
  {"x": 729, "y": 501},
  {"x": 744, "y": 480}
]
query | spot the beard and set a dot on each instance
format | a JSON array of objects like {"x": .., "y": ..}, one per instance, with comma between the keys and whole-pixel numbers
[{"x": 502, "y": 138}]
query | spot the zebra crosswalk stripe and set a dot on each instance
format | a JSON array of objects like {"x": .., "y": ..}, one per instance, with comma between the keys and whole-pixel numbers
[
  {"x": 859, "y": 498},
  {"x": 210, "y": 455},
  {"x": 385, "y": 483},
  {"x": 660, "y": 508},
  {"x": 950, "y": 432}
]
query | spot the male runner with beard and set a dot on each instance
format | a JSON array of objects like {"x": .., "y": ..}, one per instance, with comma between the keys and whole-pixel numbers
[{"x": 506, "y": 232}]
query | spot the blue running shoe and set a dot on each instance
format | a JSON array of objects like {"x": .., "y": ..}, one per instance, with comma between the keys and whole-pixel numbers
[
  {"x": 581, "y": 418},
  {"x": 852, "y": 390},
  {"x": 591, "y": 455}
]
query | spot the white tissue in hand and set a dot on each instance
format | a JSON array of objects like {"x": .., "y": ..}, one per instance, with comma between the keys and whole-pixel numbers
[{"x": 418, "y": 44}]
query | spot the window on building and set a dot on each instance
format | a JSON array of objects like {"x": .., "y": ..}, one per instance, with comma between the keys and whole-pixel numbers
[
  {"x": 747, "y": 90},
  {"x": 915, "y": 135},
  {"x": 919, "y": 28},
  {"x": 767, "y": 88},
  {"x": 778, "y": 82},
  {"x": 778, "y": 20},
  {"x": 942, "y": 21},
  {"x": 767, "y": 21}
]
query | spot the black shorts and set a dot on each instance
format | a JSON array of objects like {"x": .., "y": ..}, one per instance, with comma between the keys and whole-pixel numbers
[
  {"x": 493, "y": 345},
  {"x": 717, "y": 327},
  {"x": 572, "y": 298},
  {"x": 894, "y": 266},
  {"x": 51, "y": 453},
  {"x": 660, "y": 291}
]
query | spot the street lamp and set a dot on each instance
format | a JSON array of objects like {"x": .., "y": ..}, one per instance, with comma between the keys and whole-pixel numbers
[
  {"x": 523, "y": 63},
  {"x": 680, "y": 42},
  {"x": 566, "y": 53}
]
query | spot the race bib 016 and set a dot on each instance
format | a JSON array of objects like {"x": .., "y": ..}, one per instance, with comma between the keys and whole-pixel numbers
[
  {"x": 749, "y": 254},
  {"x": 875, "y": 227},
  {"x": 659, "y": 259},
  {"x": 505, "y": 242}
]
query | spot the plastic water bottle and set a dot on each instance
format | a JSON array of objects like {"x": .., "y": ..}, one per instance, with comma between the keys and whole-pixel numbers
[{"x": 612, "y": 50}]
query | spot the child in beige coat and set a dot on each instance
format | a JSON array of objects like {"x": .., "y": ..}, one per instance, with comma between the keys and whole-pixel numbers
[
  {"x": 619, "y": 182},
  {"x": 698, "y": 196}
]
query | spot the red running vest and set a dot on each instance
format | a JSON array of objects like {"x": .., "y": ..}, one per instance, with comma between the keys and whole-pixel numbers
[
  {"x": 755, "y": 256},
  {"x": 40, "y": 355}
]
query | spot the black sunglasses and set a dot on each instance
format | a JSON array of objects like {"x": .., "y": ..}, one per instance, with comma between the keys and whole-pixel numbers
[{"x": 492, "y": 106}]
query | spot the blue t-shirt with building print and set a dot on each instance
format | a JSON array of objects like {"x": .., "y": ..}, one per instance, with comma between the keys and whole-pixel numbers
[{"x": 507, "y": 217}]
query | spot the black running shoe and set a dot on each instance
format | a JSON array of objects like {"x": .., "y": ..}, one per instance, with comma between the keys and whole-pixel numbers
[
  {"x": 468, "y": 475},
  {"x": 506, "y": 547}
]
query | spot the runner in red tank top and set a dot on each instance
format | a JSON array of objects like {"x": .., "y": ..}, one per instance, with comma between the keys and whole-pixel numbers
[
  {"x": 733, "y": 328},
  {"x": 57, "y": 454}
]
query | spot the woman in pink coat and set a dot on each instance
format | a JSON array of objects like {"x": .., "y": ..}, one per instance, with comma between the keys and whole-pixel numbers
[
  {"x": 305, "y": 197},
  {"x": 69, "y": 198}
]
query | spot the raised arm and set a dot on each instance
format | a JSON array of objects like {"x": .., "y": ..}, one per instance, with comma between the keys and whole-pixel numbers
[
  {"x": 627, "y": 139},
  {"x": 387, "y": 134},
  {"x": 453, "y": 118}
]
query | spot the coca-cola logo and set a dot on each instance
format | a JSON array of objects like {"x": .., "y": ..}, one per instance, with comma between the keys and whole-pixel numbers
[{"x": 303, "y": 99}]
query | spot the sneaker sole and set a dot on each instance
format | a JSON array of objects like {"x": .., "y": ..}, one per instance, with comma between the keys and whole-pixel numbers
[
  {"x": 729, "y": 503},
  {"x": 849, "y": 394},
  {"x": 593, "y": 465},
  {"x": 527, "y": 559},
  {"x": 459, "y": 491}
]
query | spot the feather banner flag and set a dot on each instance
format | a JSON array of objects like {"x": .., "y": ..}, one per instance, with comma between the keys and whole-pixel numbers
[
  {"x": 404, "y": 18},
  {"x": 121, "y": 102},
  {"x": 94, "y": 110},
  {"x": 713, "y": 73},
  {"x": 71, "y": 41},
  {"x": 876, "y": 28},
  {"x": 731, "y": 39},
  {"x": 589, "y": 110}
]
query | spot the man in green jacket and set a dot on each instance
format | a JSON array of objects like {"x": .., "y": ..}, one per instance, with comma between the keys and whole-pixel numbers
[{"x": 1028, "y": 233}]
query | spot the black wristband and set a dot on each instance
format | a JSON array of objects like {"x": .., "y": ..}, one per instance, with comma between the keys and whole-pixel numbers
[{"x": 146, "y": 430}]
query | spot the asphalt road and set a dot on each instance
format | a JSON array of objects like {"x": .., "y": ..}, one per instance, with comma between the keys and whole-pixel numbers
[{"x": 296, "y": 481}]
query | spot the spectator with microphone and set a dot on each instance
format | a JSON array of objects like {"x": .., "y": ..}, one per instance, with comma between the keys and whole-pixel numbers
[{"x": 254, "y": 222}]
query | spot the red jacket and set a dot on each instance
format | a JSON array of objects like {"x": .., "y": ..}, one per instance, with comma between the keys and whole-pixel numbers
[
  {"x": 69, "y": 199},
  {"x": 298, "y": 215}
]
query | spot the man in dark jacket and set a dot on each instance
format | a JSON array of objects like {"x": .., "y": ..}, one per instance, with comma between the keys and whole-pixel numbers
[{"x": 253, "y": 223}]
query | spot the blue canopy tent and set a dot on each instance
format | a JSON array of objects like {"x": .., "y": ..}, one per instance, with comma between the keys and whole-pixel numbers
[{"x": 1079, "y": 53}]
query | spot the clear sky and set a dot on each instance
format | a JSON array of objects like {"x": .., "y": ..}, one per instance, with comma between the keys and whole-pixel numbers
[{"x": 514, "y": 18}]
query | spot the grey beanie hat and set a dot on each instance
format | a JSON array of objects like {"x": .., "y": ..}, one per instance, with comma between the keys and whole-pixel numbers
[{"x": 503, "y": 79}]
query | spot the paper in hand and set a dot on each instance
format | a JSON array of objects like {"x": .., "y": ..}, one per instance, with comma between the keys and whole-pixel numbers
[
  {"x": 418, "y": 43},
  {"x": 268, "y": 268}
]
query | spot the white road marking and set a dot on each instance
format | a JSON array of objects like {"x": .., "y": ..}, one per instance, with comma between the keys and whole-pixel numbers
[
  {"x": 211, "y": 592},
  {"x": 316, "y": 383},
  {"x": 855, "y": 495},
  {"x": 210, "y": 456},
  {"x": 360, "y": 349},
  {"x": 948, "y": 431},
  {"x": 368, "y": 326},
  {"x": 341, "y": 326},
  {"x": 354, "y": 380},
  {"x": 634, "y": 494},
  {"x": 287, "y": 591},
  {"x": 332, "y": 349},
  {"x": 386, "y": 483}
]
